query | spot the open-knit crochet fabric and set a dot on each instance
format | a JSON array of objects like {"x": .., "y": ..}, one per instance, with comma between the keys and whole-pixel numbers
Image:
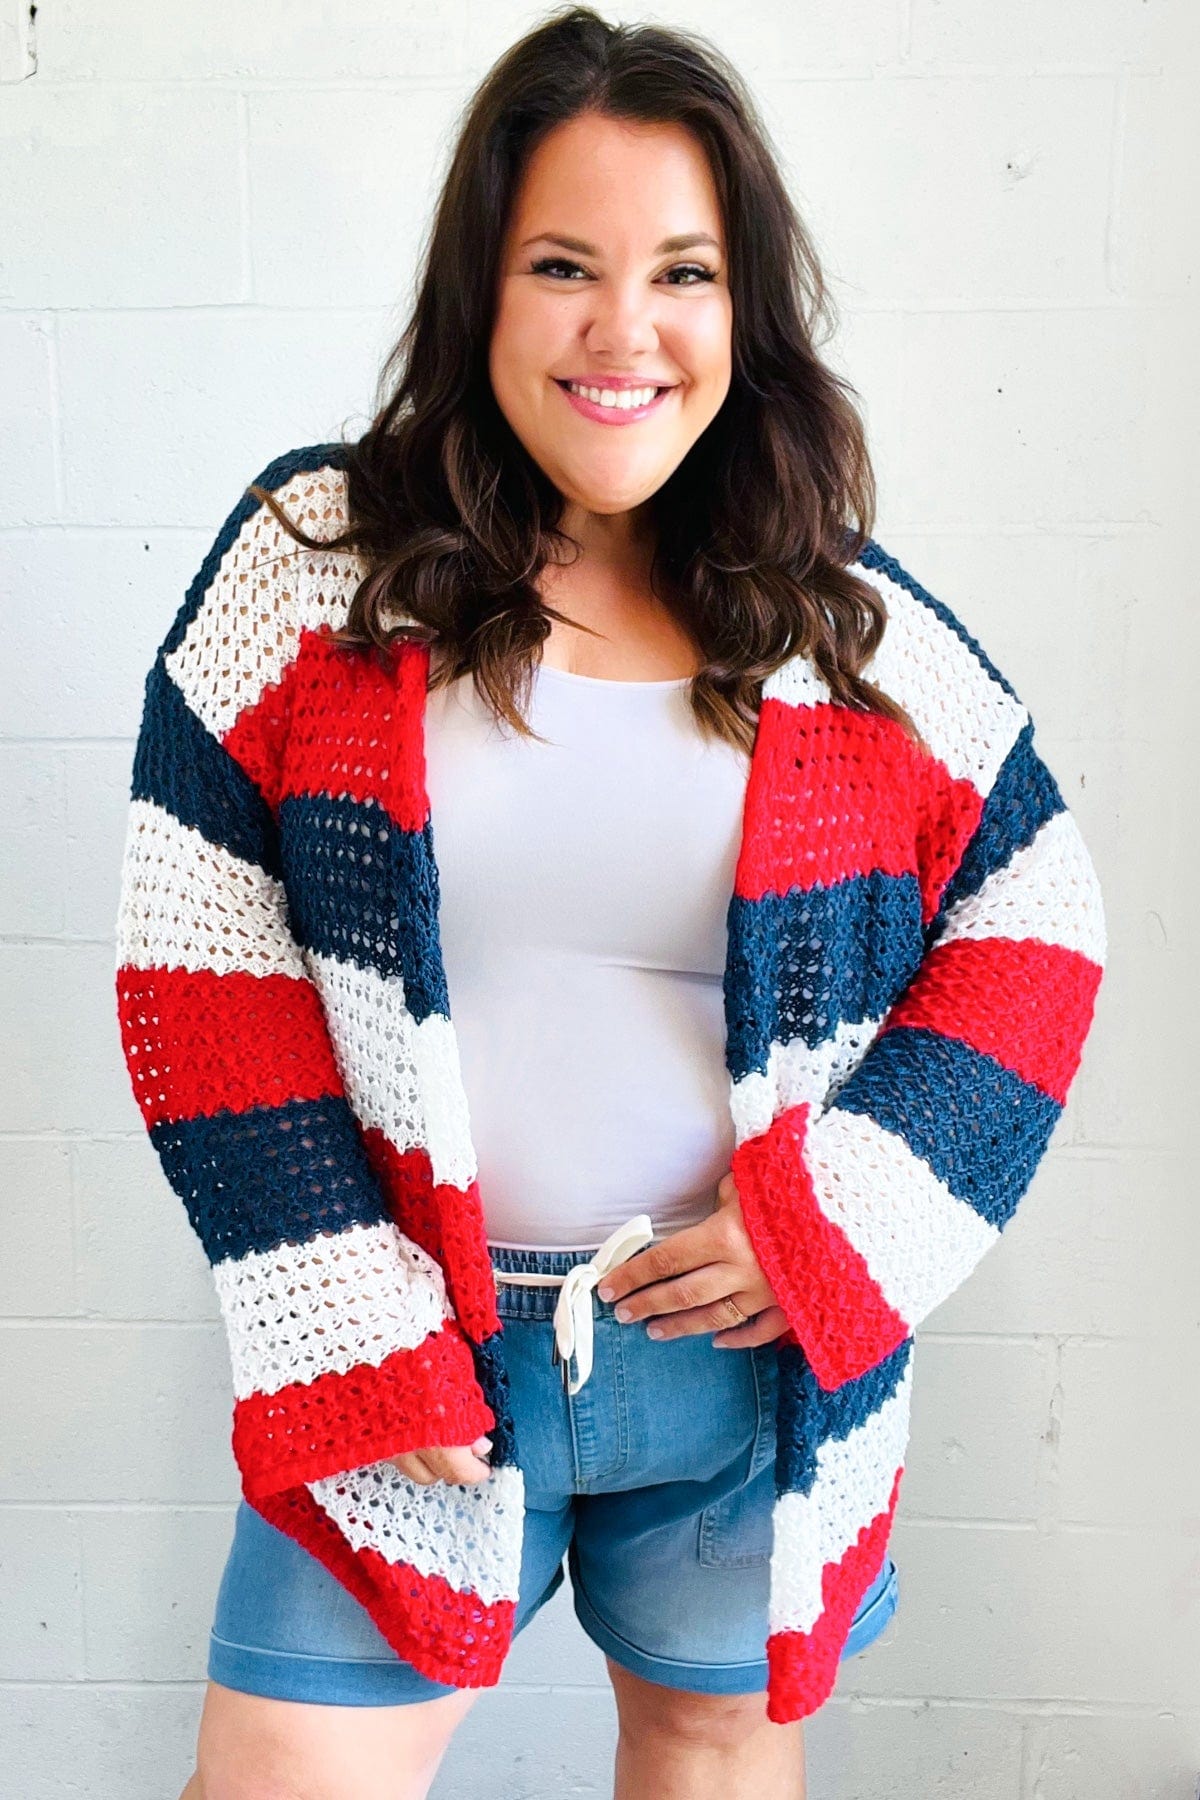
[{"x": 915, "y": 943}]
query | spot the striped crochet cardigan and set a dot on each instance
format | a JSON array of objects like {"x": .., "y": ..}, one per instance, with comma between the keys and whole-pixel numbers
[{"x": 915, "y": 943}]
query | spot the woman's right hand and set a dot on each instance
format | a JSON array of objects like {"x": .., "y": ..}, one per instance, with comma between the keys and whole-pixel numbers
[{"x": 457, "y": 1462}]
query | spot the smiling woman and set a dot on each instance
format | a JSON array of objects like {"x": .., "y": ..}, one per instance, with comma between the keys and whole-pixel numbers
[
  {"x": 627, "y": 317},
  {"x": 771, "y": 941},
  {"x": 613, "y": 217}
]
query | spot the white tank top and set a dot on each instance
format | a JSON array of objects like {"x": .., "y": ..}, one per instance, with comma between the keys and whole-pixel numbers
[{"x": 584, "y": 887}]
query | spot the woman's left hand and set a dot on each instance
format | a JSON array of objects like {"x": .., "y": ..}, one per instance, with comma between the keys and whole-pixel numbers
[{"x": 685, "y": 1282}]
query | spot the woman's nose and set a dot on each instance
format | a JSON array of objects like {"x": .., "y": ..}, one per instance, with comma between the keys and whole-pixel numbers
[{"x": 622, "y": 322}]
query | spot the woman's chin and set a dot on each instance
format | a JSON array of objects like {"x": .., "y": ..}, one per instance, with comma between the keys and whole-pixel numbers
[{"x": 616, "y": 492}]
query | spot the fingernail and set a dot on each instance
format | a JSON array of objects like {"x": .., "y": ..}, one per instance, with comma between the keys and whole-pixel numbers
[
  {"x": 605, "y": 1291},
  {"x": 623, "y": 1313}
]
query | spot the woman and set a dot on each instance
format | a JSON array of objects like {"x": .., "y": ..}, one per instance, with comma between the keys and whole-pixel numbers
[{"x": 583, "y": 601}]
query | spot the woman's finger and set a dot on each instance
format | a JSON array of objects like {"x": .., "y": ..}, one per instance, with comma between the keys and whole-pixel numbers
[
  {"x": 699, "y": 1289},
  {"x": 694, "y": 1320},
  {"x": 413, "y": 1464},
  {"x": 764, "y": 1328},
  {"x": 457, "y": 1463}
]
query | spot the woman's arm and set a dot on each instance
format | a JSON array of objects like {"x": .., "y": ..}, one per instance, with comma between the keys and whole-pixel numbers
[
  {"x": 867, "y": 1213},
  {"x": 343, "y": 1343}
]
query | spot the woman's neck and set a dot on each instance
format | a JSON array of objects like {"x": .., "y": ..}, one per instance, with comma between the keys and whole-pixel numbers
[{"x": 637, "y": 637}]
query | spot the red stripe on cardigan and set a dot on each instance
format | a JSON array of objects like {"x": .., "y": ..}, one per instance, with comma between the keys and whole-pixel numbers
[
  {"x": 803, "y": 1665},
  {"x": 831, "y": 1301},
  {"x": 456, "y": 1639},
  {"x": 1024, "y": 1002},
  {"x": 307, "y": 1430},
  {"x": 446, "y": 1221},
  {"x": 257, "y": 738},
  {"x": 357, "y": 728},
  {"x": 198, "y": 1043},
  {"x": 834, "y": 794}
]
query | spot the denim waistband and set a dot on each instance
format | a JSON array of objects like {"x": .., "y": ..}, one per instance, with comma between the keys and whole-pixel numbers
[{"x": 520, "y": 1302}]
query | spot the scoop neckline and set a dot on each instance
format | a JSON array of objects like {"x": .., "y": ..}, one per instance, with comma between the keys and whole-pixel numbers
[{"x": 608, "y": 681}]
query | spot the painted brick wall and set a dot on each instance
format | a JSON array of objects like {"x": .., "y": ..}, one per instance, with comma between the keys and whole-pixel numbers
[{"x": 208, "y": 221}]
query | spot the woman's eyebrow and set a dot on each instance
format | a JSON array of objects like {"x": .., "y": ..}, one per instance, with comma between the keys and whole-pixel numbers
[{"x": 686, "y": 241}]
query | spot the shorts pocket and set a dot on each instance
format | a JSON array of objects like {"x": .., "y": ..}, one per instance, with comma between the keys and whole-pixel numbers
[{"x": 736, "y": 1531}]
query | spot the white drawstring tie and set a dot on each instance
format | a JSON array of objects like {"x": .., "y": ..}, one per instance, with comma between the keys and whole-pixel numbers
[{"x": 573, "y": 1308}]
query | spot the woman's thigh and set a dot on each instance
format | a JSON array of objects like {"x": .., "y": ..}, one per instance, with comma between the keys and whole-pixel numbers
[
  {"x": 306, "y": 1694},
  {"x": 304, "y": 1691},
  {"x": 250, "y": 1746}
]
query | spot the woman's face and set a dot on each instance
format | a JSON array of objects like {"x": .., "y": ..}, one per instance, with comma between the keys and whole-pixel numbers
[{"x": 612, "y": 309}]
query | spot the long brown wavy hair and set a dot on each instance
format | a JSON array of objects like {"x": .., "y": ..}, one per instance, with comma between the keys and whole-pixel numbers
[{"x": 453, "y": 521}]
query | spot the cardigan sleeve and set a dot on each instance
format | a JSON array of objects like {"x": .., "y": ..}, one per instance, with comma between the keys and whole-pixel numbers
[
  {"x": 868, "y": 1211},
  {"x": 343, "y": 1344}
]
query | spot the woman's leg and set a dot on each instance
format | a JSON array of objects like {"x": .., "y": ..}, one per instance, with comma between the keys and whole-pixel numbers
[
  {"x": 304, "y": 1701},
  {"x": 676, "y": 1745},
  {"x": 253, "y": 1748}
]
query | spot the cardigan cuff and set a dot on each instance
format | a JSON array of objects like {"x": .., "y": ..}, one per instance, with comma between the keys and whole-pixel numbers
[
  {"x": 834, "y": 1309},
  {"x": 413, "y": 1400}
]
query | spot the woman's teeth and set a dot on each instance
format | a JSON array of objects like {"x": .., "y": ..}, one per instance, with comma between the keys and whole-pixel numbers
[{"x": 622, "y": 398}]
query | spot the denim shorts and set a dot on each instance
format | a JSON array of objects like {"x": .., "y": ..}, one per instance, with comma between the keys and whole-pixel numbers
[{"x": 655, "y": 1480}]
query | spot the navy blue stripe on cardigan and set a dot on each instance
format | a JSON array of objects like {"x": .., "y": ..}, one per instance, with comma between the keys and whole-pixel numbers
[
  {"x": 820, "y": 927},
  {"x": 1023, "y": 797},
  {"x": 241, "y": 1198},
  {"x": 808, "y": 1417},
  {"x": 986, "y": 1135},
  {"x": 331, "y": 842},
  {"x": 179, "y": 765}
]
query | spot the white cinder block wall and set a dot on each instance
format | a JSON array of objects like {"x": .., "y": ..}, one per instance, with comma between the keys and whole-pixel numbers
[{"x": 208, "y": 223}]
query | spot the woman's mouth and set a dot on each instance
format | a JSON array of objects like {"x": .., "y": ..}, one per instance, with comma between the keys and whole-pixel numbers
[{"x": 614, "y": 406}]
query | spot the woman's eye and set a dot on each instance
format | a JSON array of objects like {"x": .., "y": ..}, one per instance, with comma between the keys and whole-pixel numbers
[{"x": 699, "y": 270}]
